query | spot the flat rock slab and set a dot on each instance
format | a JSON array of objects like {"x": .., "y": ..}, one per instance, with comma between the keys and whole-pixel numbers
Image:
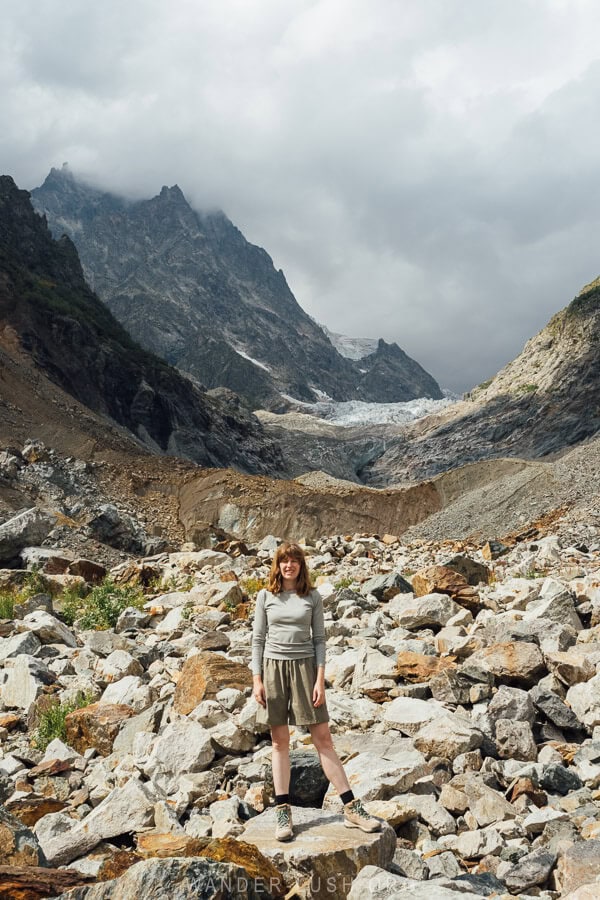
[{"x": 323, "y": 852}]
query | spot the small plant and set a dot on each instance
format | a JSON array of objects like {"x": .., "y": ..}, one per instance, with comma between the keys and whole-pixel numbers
[
  {"x": 101, "y": 608},
  {"x": 71, "y": 601},
  {"x": 252, "y": 585},
  {"x": 52, "y": 722},
  {"x": 33, "y": 583},
  {"x": 7, "y": 606},
  {"x": 527, "y": 388}
]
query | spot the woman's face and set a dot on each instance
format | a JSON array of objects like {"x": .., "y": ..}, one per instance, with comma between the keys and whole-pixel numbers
[{"x": 289, "y": 568}]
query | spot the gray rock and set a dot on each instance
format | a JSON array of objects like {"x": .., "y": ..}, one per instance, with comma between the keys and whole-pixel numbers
[
  {"x": 38, "y": 601},
  {"x": 19, "y": 644},
  {"x": 443, "y": 865},
  {"x": 409, "y": 864},
  {"x": 183, "y": 747},
  {"x": 374, "y": 883},
  {"x": 511, "y": 703},
  {"x": 30, "y": 527},
  {"x": 49, "y": 629},
  {"x": 420, "y": 612},
  {"x": 193, "y": 878},
  {"x": 555, "y": 603},
  {"x": 447, "y": 736},
  {"x": 584, "y": 700},
  {"x": 132, "y": 619},
  {"x": 515, "y": 740},
  {"x": 308, "y": 782},
  {"x": 384, "y": 587},
  {"x": 557, "y": 779},
  {"x": 25, "y": 682},
  {"x": 533, "y": 869},
  {"x": 554, "y": 709}
]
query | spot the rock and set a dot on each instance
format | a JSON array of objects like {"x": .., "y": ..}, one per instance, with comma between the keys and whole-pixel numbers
[
  {"x": 414, "y": 613},
  {"x": 419, "y": 667},
  {"x": 373, "y": 777},
  {"x": 578, "y": 865},
  {"x": 494, "y": 549},
  {"x": 347, "y": 712},
  {"x": 28, "y": 528},
  {"x": 49, "y": 629},
  {"x": 447, "y": 736},
  {"x": 533, "y": 869},
  {"x": 374, "y": 883},
  {"x": 324, "y": 852},
  {"x": 117, "y": 665},
  {"x": 487, "y": 805},
  {"x": 96, "y": 726},
  {"x": 308, "y": 782},
  {"x": 194, "y": 878},
  {"x": 554, "y": 709},
  {"x": 556, "y": 779},
  {"x": 570, "y": 666},
  {"x": 515, "y": 740},
  {"x": 554, "y": 604},
  {"x": 225, "y": 817},
  {"x": 128, "y": 691},
  {"x": 38, "y": 601},
  {"x": 33, "y": 881},
  {"x": 228, "y": 737},
  {"x": 31, "y": 809},
  {"x": 132, "y": 619},
  {"x": 474, "y": 572},
  {"x": 584, "y": 700},
  {"x": 18, "y": 845},
  {"x": 204, "y": 675},
  {"x": 92, "y": 572},
  {"x": 25, "y": 644},
  {"x": 443, "y": 580},
  {"x": 442, "y": 865},
  {"x": 384, "y": 587},
  {"x": 25, "y": 682},
  {"x": 432, "y": 813},
  {"x": 511, "y": 703},
  {"x": 408, "y": 715},
  {"x": 125, "y": 810},
  {"x": 183, "y": 747},
  {"x": 370, "y": 665},
  {"x": 517, "y": 662}
]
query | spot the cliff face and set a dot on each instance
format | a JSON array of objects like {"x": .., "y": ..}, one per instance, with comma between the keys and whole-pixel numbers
[
  {"x": 189, "y": 287},
  {"x": 75, "y": 341},
  {"x": 546, "y": 399}
]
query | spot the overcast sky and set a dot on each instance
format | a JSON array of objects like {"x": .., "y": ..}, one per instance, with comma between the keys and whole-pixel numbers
[{"x": 427, "y": 171}]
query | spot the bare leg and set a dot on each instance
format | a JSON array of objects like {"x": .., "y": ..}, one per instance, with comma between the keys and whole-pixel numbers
[
  {"x": 280, "y": 759},
  {"x": 333, "y": 768}
]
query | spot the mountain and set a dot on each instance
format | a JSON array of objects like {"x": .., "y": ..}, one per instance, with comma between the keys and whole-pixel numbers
[
  {"x": 545, "y": 400},
  {"x": 52, "y": 322},
  {"x": 188, "y": 286}
]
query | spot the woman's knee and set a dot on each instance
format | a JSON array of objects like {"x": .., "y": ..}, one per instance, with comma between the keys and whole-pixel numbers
[
  {"x": 321, "y": 738},
  {"x": 280, "y": 738}
]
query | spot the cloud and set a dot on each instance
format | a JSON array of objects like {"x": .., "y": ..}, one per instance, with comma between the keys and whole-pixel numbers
[{"x": 422, "y": 171}]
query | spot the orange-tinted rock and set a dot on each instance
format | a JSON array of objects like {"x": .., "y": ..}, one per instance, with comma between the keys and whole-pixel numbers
[
  {"x": 33, "y": 882},
  {"x": 9, "y": 721},
  {"x": 246, "y": 855},
  {"x": 115, "y": 865},
  {"x": 96, "y": 726},
  {"x": 18, "y": 845},
  {"x": 164, "y": 845},
  {"x": 50, "y": 767},
  {"x": 443, "y": 580},
  {"x": 514, "y": 662},
  {"x": 29, "y": 810},
  {"x": 527, "y": 787},
  {"x": 203, "y": 675},
  {"x": 419, "y": 667}
]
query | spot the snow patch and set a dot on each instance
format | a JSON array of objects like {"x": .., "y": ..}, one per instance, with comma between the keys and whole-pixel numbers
[{"x": 254, "y": 361}]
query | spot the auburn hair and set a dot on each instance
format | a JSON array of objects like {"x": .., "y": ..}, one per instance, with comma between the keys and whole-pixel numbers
[{"x": 285, "y": 551}]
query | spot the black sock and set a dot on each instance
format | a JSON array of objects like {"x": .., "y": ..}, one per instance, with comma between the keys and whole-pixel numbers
[
  {"x": 282, "y": 798},
  {"x": 347, "y": 797}
]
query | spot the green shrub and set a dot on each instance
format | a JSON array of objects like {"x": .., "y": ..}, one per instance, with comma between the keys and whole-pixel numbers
[
  {"x": 101, "y": 608},
  {"x": 33, "y": 583},
  {"x": 251, "y": 585},
  {"x": 7, "y": 606},
  {"x": 71, "y": 603},
  {"x": 52, "y": 721},
  {"x": 343, "y": 583}
]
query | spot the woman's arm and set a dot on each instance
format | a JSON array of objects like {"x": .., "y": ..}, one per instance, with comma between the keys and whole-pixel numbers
[
  {"x": 318, "y": 636},
  {"x": 259, "y": 635}
]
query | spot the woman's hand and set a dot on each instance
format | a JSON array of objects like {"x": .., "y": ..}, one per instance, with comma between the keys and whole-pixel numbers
[
  {"x": 318, "y": 695},
  {"x": 258, "y": 690}
]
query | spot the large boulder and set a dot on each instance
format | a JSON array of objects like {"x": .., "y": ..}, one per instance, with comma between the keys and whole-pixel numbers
[
  {"x": 18, "y": 845},
  {"x": 324, "y": 853},
  {"x": 96, "y": 726},
  {"x": 30, "y": 527},
  {"x": 514, "y": 662}
]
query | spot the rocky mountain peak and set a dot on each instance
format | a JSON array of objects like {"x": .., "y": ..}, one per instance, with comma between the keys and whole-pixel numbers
[{"x": 192, "y": 289}]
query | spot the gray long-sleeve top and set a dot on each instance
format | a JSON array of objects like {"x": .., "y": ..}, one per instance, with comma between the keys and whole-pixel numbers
[{"x": 287, "y": 626}]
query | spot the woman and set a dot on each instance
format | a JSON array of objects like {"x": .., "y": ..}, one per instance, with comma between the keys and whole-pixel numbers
[{"x": 288, "y": 668}]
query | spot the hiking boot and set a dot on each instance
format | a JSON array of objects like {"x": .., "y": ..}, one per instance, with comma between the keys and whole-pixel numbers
[
  {"x": 283, "y": 828},
  {"x": 356, "y": 816}
]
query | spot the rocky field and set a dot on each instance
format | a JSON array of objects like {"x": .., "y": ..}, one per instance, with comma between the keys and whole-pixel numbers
[{"x": 463, "y": 690}]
